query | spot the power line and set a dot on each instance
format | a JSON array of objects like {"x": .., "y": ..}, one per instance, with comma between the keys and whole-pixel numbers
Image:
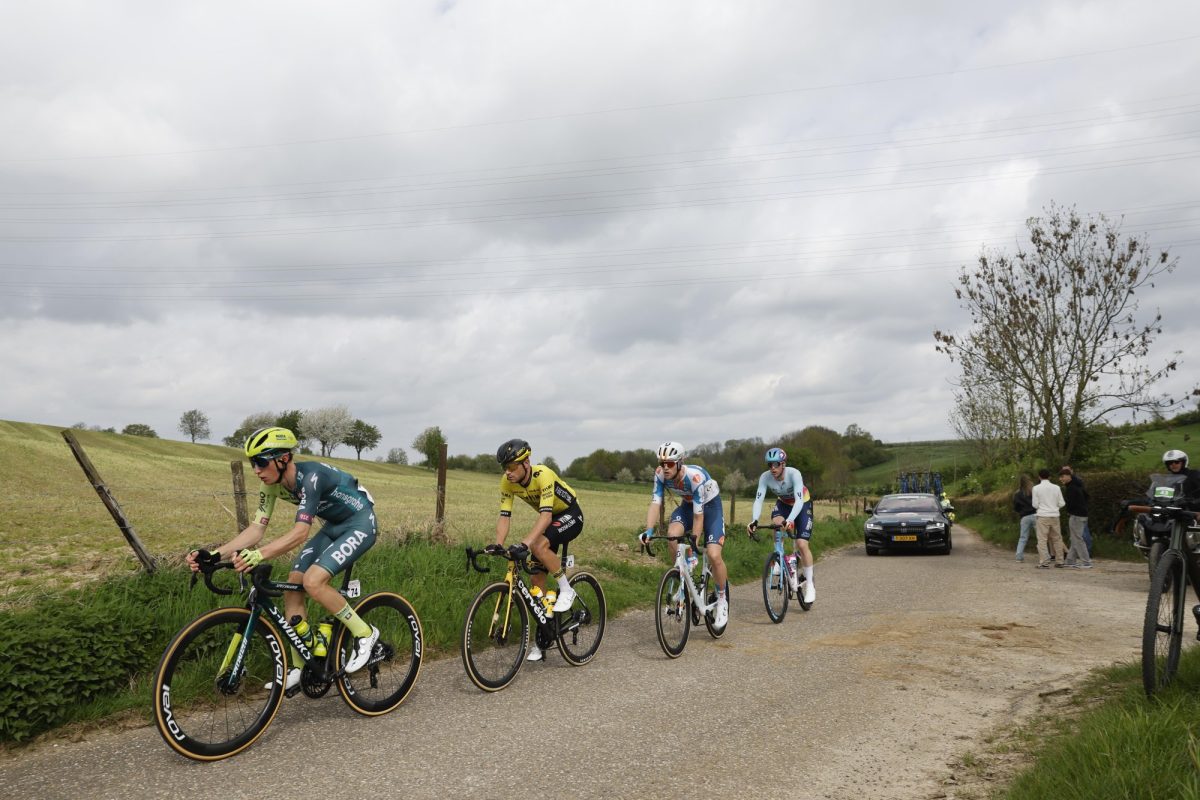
[{"x": 624, "y": 109}]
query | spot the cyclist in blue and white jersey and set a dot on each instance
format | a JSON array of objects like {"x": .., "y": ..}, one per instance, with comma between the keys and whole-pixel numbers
[
  {"x": 793, "y": 510},
  {"x": 700, "y": 509}
]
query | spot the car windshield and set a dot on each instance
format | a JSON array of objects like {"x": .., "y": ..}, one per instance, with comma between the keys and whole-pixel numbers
[{"x": 898, "y": 505}]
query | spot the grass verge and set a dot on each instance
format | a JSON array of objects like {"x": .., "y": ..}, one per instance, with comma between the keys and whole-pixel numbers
[{"x": 1104, "y": 741}]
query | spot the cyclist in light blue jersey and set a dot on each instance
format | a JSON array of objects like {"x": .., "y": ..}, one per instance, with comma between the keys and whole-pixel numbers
[
  {"x": 793, "y": 510},
  {"x": 699, "y": 509}
]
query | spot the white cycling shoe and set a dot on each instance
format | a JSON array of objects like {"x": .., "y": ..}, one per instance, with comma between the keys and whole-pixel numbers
[
  {"x": 535, "y": 654},
  {"x": 563, "y": 603},
  {"x": 293, "y": 680},
  {"x": 721, "y": 615},
  {"x": 362, "y": 651},
  {"x": 810, "y": 592}
]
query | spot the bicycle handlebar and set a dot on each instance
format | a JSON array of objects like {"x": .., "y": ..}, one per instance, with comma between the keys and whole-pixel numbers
[
  {"x": 646, "y": 547},
  {"x": 518, "y": 552},
  {"x": 210, "y": 563}
]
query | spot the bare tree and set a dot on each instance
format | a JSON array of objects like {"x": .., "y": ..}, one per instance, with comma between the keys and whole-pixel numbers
[
  {"x": 329, "y": 426},
  {"x": 1057, "y": 323},
  {"x": 734, "y": 482},
  {"x": 397, "y": 455},
  {"x": 194, "y": 423}
]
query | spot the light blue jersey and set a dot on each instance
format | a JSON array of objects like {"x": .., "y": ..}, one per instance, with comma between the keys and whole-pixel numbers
[{"x": 790, "y": 490}]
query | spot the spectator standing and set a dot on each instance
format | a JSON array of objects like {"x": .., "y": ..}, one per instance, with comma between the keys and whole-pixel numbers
[
  {"x": 1076, "y": 497},
  {"x": 1022, "y": 504},
  {"x": 1047, "y": 503}
]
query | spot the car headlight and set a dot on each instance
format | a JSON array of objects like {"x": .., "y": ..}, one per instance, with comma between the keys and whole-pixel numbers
[
  {"x": 937, "y": 526},
  {"x": 874, "y": 526}
]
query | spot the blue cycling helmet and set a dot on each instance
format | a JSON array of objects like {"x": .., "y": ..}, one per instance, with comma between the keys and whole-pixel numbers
[{"x": 776, "y": 454}]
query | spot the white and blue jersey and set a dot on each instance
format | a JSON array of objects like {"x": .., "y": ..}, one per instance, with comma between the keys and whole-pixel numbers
[
  {"x": 699, "y": 494},
  {"x": 794, "y": 499}
]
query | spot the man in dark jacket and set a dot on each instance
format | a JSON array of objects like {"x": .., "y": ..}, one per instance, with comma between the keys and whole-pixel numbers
[
  {"x": 1079, "y": 554},
  {"x": 1022, "y": 504}
]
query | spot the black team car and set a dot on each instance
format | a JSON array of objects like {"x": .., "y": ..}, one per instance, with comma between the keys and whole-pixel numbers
[{"x": 908, "y": 522}]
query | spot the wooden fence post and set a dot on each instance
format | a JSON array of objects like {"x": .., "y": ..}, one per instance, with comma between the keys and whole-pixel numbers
[
  {"x": 239, "y": 495},
  {"x": 439, "y": 523},
  {"x": 109, "y": 501}
]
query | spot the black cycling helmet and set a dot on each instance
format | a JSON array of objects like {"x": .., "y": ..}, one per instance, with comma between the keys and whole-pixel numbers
[{"x": 513, "y": 450}]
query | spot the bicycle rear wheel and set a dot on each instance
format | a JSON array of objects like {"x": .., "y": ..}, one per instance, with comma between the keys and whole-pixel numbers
[
  {"x": 1162, "y": 631},
  {"x": 395, "y": 662},
  {"x": 495, "y": 637},
  {"x": 774, "y": 587},
  {"x": 206, "y": 705},
  {"x": 580, "y": 629}
]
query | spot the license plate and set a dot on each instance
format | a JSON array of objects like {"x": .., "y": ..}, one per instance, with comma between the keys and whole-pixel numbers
[{"x": 906, "y": 537}]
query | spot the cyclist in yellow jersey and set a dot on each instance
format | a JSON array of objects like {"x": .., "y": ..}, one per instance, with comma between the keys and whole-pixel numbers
[{"x": 559, "y": 518}]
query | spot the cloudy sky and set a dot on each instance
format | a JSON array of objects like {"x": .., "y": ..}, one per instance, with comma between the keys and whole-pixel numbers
[{"x": 587, "y": 224}]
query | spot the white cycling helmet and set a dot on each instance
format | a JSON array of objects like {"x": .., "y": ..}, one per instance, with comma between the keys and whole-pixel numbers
[
  {"x": 1175, "y": 455},
  {"x": 670, "y": 451}
]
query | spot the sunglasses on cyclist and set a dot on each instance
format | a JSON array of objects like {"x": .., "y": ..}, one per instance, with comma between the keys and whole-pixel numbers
[
  {"x": 774, "y": 464},
  {"x": 262, "y": 462},
  {"x": 1175, "y": 461},
  {"x": 668, "y": 464}
]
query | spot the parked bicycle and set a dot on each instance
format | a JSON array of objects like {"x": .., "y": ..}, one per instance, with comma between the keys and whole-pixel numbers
[
  {"x": 682, "y": 601},
  {"x": 495, "y": 634},
  {"x": 782, "y": 577},
  {"x": 1162, "y": 628},
  {"x": 222, "y": 677}
]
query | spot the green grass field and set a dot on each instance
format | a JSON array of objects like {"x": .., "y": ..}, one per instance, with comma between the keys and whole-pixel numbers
[
  {"x": 951, "y": 458},
  {"x": 179, "y": 495}
]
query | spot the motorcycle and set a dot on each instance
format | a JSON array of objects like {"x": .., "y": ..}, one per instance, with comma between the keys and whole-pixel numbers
[{"x": 1152, "y": 532}]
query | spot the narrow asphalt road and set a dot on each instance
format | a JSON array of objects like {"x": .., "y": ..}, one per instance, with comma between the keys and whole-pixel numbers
[{"x": 904, "y": 663}]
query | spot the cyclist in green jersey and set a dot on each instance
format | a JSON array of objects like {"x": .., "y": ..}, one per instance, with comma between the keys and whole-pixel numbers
[{"x": 320, "y": 492}]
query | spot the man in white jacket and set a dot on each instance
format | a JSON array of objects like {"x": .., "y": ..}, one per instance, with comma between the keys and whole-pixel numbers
[{"x": 1047, "y": 503}]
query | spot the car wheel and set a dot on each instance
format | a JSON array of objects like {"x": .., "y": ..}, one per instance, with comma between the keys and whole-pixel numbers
[{"x": 872, "y": 551}]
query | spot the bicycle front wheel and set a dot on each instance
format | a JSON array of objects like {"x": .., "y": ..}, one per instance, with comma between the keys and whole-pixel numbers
[
  {"x": 210, "y": 704},
  {"x": 580, "y": 629},
  {"x": 1162, "y": 631},
  {"x": 774, "y": 587},
  {"x": 495, "y": 637},
  {"x": 395, "y": 662},
  {"x": 673, "y": 613}
]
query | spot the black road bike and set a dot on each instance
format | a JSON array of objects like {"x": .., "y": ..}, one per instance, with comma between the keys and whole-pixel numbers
[
  {"x": 495, "y": 635},
  {"x": 222, "y": 677}
]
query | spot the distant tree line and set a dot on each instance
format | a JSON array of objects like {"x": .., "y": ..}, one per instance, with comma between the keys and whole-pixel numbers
[
  {"x": 324, "y": 428},
  {"x": 826, "y": 458}
]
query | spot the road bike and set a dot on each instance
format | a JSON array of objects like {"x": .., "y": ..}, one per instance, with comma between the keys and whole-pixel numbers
[
  {"x": 1162, "y": 628},
  {"x": 782, "y": 577},
  {"x": 495, "y": 637},
  {"x": 681, "y": 601},
  {"x": 221, "y": 679}
]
